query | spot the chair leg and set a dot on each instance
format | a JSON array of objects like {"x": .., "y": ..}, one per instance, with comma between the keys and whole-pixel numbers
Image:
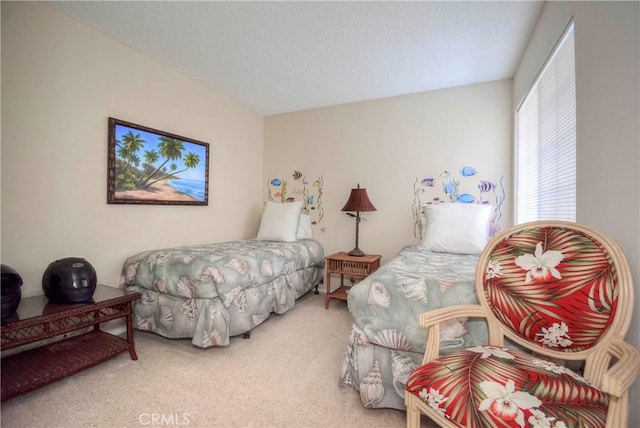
[
  {"x": 413, "y": 413},
  {"x": 618, "y": 411}
]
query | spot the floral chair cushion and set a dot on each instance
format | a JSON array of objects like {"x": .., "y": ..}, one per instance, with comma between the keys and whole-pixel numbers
[
  {"x": 488, "y": 386},
  {"x": 554, "y": 287}
]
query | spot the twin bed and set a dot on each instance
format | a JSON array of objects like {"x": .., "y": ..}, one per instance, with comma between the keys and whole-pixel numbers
[
  {"x": 212, "y": 292},
  {"x": 385, "y": 343}
]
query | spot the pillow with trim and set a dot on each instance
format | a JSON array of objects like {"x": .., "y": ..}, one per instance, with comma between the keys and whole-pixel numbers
[
  {"x": 457, "y": 228},
  {"x": 279, "y": 221},
  {"x": 304, "y": 227}
]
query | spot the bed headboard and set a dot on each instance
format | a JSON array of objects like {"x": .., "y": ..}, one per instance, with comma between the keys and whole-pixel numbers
[{"x": 464, "y": 187}]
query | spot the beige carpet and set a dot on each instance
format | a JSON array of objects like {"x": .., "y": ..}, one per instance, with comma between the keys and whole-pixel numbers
[{"x": 286, "y": 375}]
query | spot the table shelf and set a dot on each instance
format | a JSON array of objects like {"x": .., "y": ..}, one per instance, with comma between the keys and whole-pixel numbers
[
  {"x": 341, "y": 293},
  {"x": 38, "y": 367},
  {"x": 58, "y": 353},
  {"x": 343, "y": 264}
]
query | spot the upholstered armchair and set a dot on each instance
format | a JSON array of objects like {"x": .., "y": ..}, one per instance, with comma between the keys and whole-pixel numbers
[{"x": 557, "y": 298}]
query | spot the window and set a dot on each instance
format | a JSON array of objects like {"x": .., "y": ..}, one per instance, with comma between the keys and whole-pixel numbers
[{"x": 545, "y": 150}]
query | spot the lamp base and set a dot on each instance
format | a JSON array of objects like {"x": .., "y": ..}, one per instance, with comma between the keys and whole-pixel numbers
[{"x": 356, "y": 252}]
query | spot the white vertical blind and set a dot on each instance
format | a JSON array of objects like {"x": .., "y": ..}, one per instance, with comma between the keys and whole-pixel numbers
[{"x": 546, "y": 140}]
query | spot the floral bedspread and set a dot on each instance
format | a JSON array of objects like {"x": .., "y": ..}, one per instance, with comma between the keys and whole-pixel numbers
[
  {"x": 220, "y": 269},
  {"x": 385, "y": 343},
  {"x": 210, "y": 292},
  {"x": 386, "y": 305}
]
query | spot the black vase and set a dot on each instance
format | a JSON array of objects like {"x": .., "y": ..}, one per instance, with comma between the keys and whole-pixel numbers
[
  {"x": 11, "y": 291},
  {"x": 69, "y": 280}
]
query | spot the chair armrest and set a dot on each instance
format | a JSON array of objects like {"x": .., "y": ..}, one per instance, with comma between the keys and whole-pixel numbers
[
  {"x": 619, "y": 377},
  {"x": 432, "y": 319},
  {"x": 437, "y": 316}
]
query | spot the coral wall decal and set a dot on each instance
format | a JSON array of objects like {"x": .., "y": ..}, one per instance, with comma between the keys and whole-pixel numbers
[
  {"x": 463, "y": 187},
  {"x": 308, "y": 192}
]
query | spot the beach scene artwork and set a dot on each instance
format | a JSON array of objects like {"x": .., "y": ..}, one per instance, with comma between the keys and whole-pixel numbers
[{"x": 147, "y": 166}]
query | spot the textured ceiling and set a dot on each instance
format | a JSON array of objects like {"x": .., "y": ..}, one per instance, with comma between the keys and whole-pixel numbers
[{"x": 277, "y": 57}]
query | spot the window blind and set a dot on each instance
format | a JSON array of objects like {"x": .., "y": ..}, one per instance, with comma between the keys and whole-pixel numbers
[{"x": 546, "y": 140}]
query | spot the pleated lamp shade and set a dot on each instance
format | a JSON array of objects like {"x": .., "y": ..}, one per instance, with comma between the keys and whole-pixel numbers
[{"x": 358, "y": 202}]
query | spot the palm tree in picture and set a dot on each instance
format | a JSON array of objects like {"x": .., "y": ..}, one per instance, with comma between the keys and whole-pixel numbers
[
  {"x": 121, "y": 169},
  {"x": 170, "y": 149},
  {"x": 131, "y": 144},
  {"x": 191, "y": 160},
  {"x": 127, "y": 160},
  {"x": 150, "y": 157}
]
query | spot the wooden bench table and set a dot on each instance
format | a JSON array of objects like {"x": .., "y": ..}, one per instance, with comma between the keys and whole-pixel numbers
[{"x": 37, "y": 319}]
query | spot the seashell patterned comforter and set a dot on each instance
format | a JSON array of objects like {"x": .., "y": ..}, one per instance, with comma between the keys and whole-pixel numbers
[
  {"x": 211, "y": 292},
  {"x": 386, "y": 343}
]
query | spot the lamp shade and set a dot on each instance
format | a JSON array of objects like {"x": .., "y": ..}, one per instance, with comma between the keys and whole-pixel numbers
[{"x": 358, "y": 201}]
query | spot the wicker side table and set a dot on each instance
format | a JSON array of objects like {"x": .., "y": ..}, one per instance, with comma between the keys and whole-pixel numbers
[
  {"x": 344, "y": 264},
  {"x": 37, "y": 319}
]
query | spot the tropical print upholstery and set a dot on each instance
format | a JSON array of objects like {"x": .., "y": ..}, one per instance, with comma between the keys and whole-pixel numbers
[
  {"x": 507, "y": 388},
  {"x": 552, "y": 289}
]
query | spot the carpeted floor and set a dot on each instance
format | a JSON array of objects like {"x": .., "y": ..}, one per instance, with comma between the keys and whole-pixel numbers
[{"x": 285, "y": 375}]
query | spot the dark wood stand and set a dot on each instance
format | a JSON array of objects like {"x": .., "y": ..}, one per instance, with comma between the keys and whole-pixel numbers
[
  {"x": 344, "y": 264},
  {"x": 37, "y": 319}
]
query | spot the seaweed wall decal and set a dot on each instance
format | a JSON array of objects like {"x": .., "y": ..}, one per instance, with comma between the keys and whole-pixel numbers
[
  {"x": 463, "y": 187},
  {"x": 308, "y": 192}
]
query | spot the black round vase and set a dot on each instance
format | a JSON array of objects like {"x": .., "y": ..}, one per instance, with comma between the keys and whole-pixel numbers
[
  {"x": 11, "y": 291},
  {"x": 69, "y": 280}
]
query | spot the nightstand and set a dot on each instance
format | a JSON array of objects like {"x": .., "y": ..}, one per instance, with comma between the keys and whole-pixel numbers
[{"x": 344, "y": 264}]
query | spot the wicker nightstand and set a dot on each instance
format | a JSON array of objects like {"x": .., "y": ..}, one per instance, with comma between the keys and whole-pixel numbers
[{"x": 344, "y": 264}]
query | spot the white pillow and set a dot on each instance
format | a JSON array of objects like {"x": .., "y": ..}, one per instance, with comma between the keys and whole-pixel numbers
[
  {"x": 279, "y": 222},
  {"x": 456, "y": 228},
  {"x": 304, "y": 227}
]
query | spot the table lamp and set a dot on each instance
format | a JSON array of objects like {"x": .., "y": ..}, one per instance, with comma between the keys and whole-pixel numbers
[{"x": 358, "y": 202}]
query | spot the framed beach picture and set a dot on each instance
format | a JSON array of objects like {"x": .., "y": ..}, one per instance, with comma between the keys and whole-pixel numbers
[{"x": 147, "y": 166}]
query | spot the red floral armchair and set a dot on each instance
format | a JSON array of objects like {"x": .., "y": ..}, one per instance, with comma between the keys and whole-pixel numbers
[{"x": 560, "y": 292}]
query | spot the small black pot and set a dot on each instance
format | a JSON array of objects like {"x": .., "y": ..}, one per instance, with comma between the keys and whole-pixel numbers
[
  {"x": 69, "y": 280},
  {"x": 11, "y": 291}
]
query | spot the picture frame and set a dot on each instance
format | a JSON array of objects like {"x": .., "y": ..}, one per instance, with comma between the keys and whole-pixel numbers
[{"x": 149, "y": 166}]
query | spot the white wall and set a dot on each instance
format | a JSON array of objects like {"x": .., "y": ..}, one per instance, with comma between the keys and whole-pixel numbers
[
  {"x": 385, "y": 145},
  {"x": 61, "y": 80},
  {"x": 607, "y": 43}
]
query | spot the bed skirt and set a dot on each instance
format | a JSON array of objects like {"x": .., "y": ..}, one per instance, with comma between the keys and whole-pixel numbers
[
  {"x": 208, "y": 321},
  {"x": 378, "y": 373}
]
